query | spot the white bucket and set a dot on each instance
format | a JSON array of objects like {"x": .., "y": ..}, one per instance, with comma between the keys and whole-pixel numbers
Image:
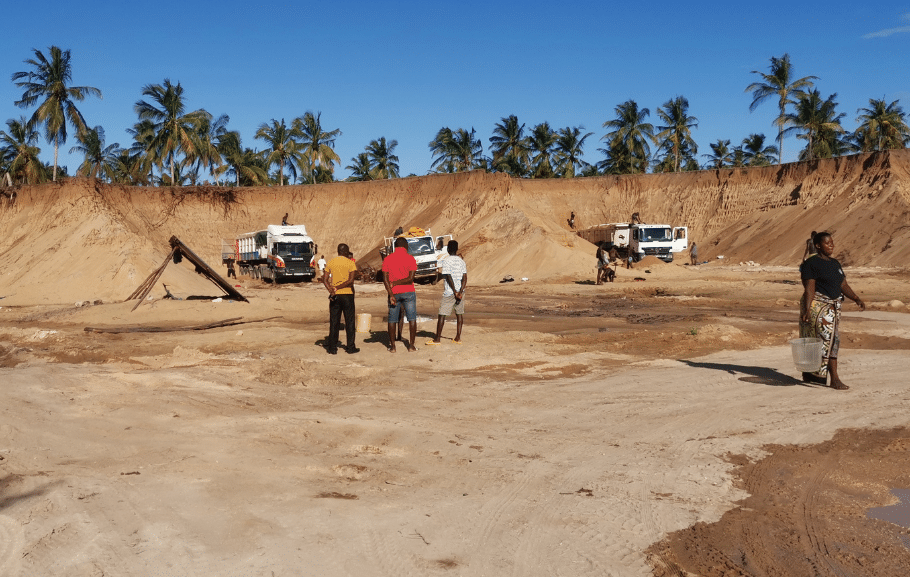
[
  {"x": 807, "y": 354},
  {"x": 363, "y": 322}
]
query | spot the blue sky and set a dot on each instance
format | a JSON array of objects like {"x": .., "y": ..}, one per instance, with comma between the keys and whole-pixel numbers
[{"x": 405, "y": 69}]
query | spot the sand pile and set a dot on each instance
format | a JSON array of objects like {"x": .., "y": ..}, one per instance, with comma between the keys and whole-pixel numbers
[{"x": 83, "y": 240}]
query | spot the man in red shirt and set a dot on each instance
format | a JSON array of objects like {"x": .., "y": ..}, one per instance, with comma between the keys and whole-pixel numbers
[{"x": 398, "y": 275}]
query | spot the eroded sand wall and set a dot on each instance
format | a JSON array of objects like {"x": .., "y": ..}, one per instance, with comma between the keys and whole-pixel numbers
[{"x": 82, "y": 239}]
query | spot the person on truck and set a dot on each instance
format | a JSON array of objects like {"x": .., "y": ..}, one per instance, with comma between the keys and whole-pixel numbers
[
  {"x": 338, "y": 279},
  {"x": 398, "y": 271},
  {"x": 284, "y": 220}
]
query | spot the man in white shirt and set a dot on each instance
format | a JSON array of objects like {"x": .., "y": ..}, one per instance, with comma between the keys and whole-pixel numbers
[
  {"x": 455, "y": 279},
  {"x": 321, "y": 264}
]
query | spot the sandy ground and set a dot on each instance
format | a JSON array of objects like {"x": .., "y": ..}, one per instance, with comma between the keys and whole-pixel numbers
[{"x": 576, "y": 427}]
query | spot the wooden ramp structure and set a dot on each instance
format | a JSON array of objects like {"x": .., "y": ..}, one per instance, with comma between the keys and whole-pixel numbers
[{"x": 179, "y": 251}]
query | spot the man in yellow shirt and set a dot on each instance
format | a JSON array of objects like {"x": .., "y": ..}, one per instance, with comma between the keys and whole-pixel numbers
[{"x": 340, "y": 274}]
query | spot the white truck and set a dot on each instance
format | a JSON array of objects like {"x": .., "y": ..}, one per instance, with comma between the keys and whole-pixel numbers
[
  {"x": 639, "y": 240},
  {"x": 276, "y": 253},
  {"x": 427, "y": 250}
]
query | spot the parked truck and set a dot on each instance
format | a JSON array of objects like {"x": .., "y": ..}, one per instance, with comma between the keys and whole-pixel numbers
[
  {"x": 427, "y": 250},
  {"x": 639, "y": 240},
  {"x": 276, "y": 253}
]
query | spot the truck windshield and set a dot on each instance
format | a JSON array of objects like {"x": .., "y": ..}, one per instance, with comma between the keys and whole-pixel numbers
[
  {"x": 292, "y": 248},
  {"x": 419, "y": 246},
  {"x": 655, "y": 234}
]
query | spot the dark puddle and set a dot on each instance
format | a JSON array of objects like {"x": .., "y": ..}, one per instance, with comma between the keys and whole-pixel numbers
[{"x": 898, "y": 514}]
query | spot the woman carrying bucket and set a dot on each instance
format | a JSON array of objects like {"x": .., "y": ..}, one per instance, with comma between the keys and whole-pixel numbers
[{"x": 819, "y": 309}]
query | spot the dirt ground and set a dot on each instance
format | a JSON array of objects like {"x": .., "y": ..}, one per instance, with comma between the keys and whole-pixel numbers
[{"x": 642, "y": 427}]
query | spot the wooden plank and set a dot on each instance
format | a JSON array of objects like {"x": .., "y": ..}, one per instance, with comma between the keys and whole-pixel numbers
[
  {"x": 205, "y": 270},
  {"x": 153, "y": 329}
]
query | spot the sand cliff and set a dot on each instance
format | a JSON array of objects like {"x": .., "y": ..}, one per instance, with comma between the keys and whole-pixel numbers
[{"x": 82, "y": 239}]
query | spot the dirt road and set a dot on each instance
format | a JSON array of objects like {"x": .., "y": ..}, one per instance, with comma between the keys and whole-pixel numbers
[{"x": 576, "y": 427}]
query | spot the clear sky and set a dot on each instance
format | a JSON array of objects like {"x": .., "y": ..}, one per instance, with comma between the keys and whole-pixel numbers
[{"x": 404, "y": 69}]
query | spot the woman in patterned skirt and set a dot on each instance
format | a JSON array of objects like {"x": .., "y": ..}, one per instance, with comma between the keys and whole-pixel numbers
[{"x": 819, "y": 309}]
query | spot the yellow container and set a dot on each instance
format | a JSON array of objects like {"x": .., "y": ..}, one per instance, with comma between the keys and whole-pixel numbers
[{"x": 363, "y": 322}]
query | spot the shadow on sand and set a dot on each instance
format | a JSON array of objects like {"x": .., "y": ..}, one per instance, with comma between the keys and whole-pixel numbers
[{"x": 757, "y": 375}]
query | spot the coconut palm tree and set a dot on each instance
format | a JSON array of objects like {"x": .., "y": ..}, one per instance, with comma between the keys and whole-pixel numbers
[
  {"x": 283, "y": 150},
  {"x": 361, "y": 168},
  {"x": 128, "y": 169},
  {"x": 883, "y": 126},
  {"x": 569, "y": 149},
  {"x": 542, "y": 144},
  {"x": 318, "y": 146},
  {"x": 244, "y": 165},
  {"x": 755, "y": 153},
  {"x": 208, "y": 132},
  {"x": 382, "y": 158},
  {"x": 173, "y": 130},
  {"x": 456, "y": 150},
  {"x": 47, "y": 81},
  {"x": 628, "y": 142},
  {"x": 100, "y": 160},
  {"x": 811, "y": 116},
  {"x": 721, "y": 155},
  {"x": 509, "y": 147},
  {"x": 19, "y": 153},
  {"x": 142, "y": 163},
  {"x": 779, "y": 83},
  {"x": 677, "y": 132}
]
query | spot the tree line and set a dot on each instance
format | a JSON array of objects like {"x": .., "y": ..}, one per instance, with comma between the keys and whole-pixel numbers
[{"x": 172, "y": 146}]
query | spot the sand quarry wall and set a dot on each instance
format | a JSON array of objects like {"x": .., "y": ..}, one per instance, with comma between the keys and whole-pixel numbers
[{"x": 82, "y": 239}]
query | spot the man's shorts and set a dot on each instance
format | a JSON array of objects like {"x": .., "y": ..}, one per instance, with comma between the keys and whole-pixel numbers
[
  {"x": 448, "y": 303},
  {"x": 409, "y": 302}
]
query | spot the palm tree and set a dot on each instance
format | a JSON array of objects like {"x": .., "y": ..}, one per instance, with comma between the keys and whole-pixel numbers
[
  {"x": 382, "y": 158},
  {"x": 48, "y": 80},
  {"x": 813, "y": 115},
  {"x": 142, "y": 160},
  {"x": 541, "y": 144},
  {"x": 318, "y": 145},
  {"x": 628, "y": 140},
  {"x": 243, "y": 164},
  {"x": 509, "y": 147},
  {"x": 722, "y": 155},
  {"x": 173, "y": 130},
  {"x": 456, "y": 150},
  {"x": 209, "y": 132},
  {"x": 677, "y": 133},
  {"x": 128, "y": 169},
  {"x": 361, "y": 168},
  {"x": 780, "y": 84},
  {"x": 282, "y": 150},
  {"x": 569, "y": 149},
  {"x": 100, "y": 161},
  {"x": 883, "y": 125},
  {"x": 755, "y": 153},
  {"x": 19, "y": 153}
]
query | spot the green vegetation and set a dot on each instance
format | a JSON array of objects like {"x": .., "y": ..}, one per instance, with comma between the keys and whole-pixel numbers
[{"x": 171, "y": 146}]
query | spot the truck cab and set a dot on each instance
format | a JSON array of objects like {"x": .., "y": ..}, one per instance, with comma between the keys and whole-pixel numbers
[{"x": 429, "y": 251}]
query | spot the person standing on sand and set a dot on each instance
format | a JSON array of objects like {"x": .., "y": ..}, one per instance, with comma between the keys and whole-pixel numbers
[
  {"x": 693, "y": 254},
  {"x": 603, "y": 264},
  {"x": 231, "y": 273},
  {"x": 455, "y": 277},
  {"x": 321, "y": 264},
  {"x": 572, "y": 221},
  {"x": 338, "y": 279},
  {"x": 825, "y": 286},
  {"x": 398, "y": 276},
  {"x": 810, "y": 247}
]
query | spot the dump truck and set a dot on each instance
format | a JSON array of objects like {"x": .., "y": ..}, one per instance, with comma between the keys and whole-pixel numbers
[
  {"x": 427, "y": 250},
  {"x": 276, "y": 253},
  {"x": 639, "y": 240}
]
